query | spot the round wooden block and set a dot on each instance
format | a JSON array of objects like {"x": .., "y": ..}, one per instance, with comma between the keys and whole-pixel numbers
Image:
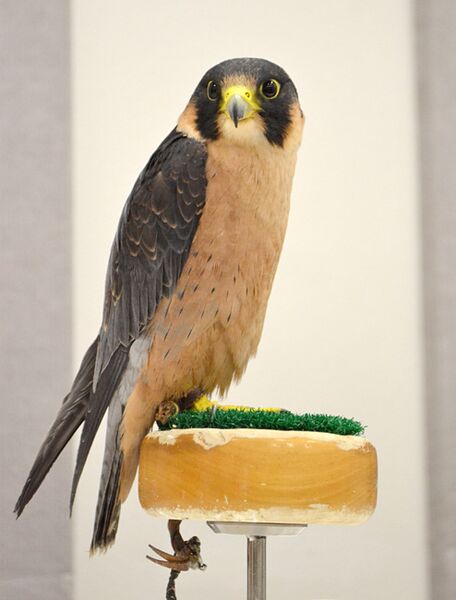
[{"x": 258, "y": 475}]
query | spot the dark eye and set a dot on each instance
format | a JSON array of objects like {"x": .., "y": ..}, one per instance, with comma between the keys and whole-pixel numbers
[
  {"x": 212, "y": 90},
  {"x": 270, "y": 89}
]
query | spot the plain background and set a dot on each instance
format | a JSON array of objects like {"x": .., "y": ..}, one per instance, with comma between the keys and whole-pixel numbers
[
  {"x": 35, "y": 290},
  {"x": 343, "y": 331}
]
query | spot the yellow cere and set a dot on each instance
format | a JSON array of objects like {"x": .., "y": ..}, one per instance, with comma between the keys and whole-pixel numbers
[
  {"x": 244, "y": 92},
  {"x": 204, "y": 403}
]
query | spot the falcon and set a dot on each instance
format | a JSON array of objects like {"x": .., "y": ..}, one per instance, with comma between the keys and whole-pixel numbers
[{"x": 188, "y": 280}]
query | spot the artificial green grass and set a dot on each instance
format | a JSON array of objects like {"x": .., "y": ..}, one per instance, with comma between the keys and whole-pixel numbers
[{"x": 263, "y": 419}]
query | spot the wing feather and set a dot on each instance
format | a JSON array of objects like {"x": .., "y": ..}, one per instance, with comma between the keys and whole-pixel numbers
[
  {"x": 154, "y": 236},
  {"x": 152, "y": 243},
  {"x": 151, "y": 246}
]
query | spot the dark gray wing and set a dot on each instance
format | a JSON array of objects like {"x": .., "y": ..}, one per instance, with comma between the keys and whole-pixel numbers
[
  {"x": 152, "y": 242},
  {"x": 151, "y": 246}
]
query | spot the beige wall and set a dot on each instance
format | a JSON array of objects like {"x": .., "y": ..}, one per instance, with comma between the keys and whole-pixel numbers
[{"x": 343, "y": 332}]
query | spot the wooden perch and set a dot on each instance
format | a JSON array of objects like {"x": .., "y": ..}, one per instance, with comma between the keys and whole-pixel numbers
[{"x": 258, "y": 476}]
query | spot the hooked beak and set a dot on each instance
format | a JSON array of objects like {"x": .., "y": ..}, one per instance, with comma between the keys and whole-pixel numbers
[
  {"x": 237, "y": 109},
  {"x": 239, "y": 103}
]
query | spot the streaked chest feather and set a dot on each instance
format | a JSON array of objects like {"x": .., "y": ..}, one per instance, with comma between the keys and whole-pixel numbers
[
  {"x": 220, "y": 300},
  {"x": 243, "y": 225}
]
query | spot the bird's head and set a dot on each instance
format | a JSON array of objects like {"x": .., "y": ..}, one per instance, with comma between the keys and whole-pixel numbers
[{"x": 246, "y": 101}]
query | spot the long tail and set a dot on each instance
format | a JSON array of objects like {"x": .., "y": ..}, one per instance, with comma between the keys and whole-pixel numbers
[
  {"x": 108, "y": 506},
  {"x": 85, "y": 405},
  {"x": 112, "y": 391},
  {"x": 69, "y": 418}
]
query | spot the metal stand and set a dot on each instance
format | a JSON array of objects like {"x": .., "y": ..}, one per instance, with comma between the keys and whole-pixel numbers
[
  {"x": 256, "y": 567},
  {"x": 256, "y": 534}
]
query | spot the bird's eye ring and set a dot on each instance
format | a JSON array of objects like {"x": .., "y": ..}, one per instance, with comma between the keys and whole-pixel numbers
[
  {"x": 270, "y": 89},
  {"x": 212, "y": 91}
]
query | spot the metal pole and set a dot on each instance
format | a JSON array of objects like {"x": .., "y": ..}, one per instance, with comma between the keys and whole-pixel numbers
[
  {"x": 256, "y": 534},
  {"x": 256, "y": 567}
]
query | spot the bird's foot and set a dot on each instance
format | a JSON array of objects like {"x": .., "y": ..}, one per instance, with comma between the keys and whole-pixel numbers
[
  {"x": 188, "y": 556},
  {"x": 168, "y": 408},
  {"x": 165, "y": 411}
]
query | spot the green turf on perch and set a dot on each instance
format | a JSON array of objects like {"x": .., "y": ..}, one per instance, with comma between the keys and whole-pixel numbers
[{"x": 263, "y": 419}]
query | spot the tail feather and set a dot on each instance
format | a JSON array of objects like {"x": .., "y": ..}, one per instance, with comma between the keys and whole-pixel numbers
[
  {"x": 99, "y": 402},
  {"x": 67, "y": 421},
  {"x": 84, "y": 405},
  {"x": 108, "y": 506}
]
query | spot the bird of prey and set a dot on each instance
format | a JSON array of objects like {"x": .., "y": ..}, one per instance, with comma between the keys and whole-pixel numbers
[{"x": 189, "y": 275}]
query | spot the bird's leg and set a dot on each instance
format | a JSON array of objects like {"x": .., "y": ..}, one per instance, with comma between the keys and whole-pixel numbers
[
  {"x": 186, "y": 553},
  {"x": 190, "y": 548},
  {"x": 168, "y": 408},
  {"x": 165, "y": 411},
  {"x": 186, "y": 556}
]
